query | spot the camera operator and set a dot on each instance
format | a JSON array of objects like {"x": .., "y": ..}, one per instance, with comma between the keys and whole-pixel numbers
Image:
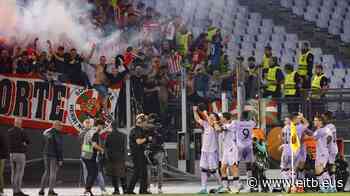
[
  {"x": 155, "y": 152},
  {"x": 137, "y": 140}
]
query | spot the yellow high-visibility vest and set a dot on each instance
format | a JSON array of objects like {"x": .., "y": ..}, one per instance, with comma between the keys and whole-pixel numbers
[
  {"x": 272, "y": 79},
  {"x": 266, "y": 62},
  {"x": 316, "y": 82},
  {"x": 183, "y": 43},
  {"x": 302, "y": 69},
  {"x": 290, "y": 84},
  {"x": 211, "y": 33}
]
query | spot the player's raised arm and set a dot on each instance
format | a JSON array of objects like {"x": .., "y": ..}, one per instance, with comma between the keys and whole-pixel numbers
[
  {"x": 304, "y": 121},
  {"x": 197, "y": 118},
  {"x": 206, "y": 116}
]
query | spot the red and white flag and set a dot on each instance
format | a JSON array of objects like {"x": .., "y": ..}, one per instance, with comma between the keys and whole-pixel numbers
[{"x": 174, "y": 63}]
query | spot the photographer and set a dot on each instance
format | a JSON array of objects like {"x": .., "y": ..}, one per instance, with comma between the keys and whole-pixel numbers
[
  {"x": 155, "y": 152},
  {"x": 137, "y": 140}
]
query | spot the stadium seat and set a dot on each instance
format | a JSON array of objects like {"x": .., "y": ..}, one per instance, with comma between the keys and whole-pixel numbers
[
  {"x": 345, "y": 37},
  {"x": 286, "y": 3}
]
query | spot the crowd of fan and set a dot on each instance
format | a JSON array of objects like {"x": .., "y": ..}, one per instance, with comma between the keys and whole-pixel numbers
[{"x": 154, "y": 66}]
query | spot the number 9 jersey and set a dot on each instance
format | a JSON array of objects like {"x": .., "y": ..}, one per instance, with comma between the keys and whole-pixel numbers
[
  {"x": 244, "y": 133},
  {"x": 244, "y": 140}
]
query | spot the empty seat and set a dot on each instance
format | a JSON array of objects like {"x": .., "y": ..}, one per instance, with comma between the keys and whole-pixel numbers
[
  {"x": 290, "y": 45},
  {"x": 246, "y": 53},
  {"x": 329, "y": 4},
  {"x": 249, "y": 39},
  {"x": 276, "y": 46},
  {"x": 322, "y": 22},
  {"x": 267, "y": 23},
  {"x": 311, "y": 15},
  {"x": 300, "y": 3},
  {"x": 263, "y": 37},
  {"x": 291, "y": 37},
  {"x": 286, "y": 3},
  {"x": 334, "y": 30},
  {"x": 279, "y": 30},
  {"x": 345, "y": 37},
  {"x": 255, "y": 23},
  {"x": 252, "y": 30},
  {"x": 286, "y": 60},
  {"x": 277, "y": 37},
  {"x": 255, "y": 16},
  {"x": 237, "y": 31},
  {"x": 315, "y": 3},
  {"x": 298, "y": 11},
  {"x": 260, "y": 46},
  {"x": 328, "y": 60}
]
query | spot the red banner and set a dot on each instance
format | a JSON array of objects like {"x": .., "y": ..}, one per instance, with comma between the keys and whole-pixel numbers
[{"x": 39, "y": 103}]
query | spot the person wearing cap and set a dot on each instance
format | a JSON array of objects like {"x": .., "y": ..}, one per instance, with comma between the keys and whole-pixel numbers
[
  {"x": 252, "y": 79},
  {"x": 267, "y": 57},
  {"x": 274, "y": 78},
  {"x": 291, "y": 87},
  {"x": 306, "y": 63},
  {"x": 137, "y": 140}
]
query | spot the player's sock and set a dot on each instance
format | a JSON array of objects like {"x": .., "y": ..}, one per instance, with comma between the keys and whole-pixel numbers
[
  {"x": 229, "y": 181},
  {"x": 327, "y": 180},
  {"x": 332, "y": 169},
  {"x": 218, "y": 177},
  {"x": 224, "y": 182},
  {"x": 333, "y": 180},
  {"x": 301, "y": 174},
  {"x": 322, "y": 178},
  {"x": 285, "y": 174},
  {"x": 204, "y": 179},
  {"x": 249, "y": 173},
  {"x": 235, "y": 182}
]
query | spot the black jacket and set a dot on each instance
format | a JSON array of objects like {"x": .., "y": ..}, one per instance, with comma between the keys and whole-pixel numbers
[
  {"x": 18, "y": 140},
  {"x": 116, "y": 146},
  {"x": 4, "y": 146},
  {"x": 53, "y": 144},
  {"x": 136, "y": 133}
]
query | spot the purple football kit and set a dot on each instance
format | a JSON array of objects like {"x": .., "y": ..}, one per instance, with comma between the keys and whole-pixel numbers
[
  {"x": 322, "y": 152},
  {"x": 332, "y": 147},
  {"x": 230, "y": 151},
  {"x": 244, "y": 140},
  {"x": 209, "y": 152}
]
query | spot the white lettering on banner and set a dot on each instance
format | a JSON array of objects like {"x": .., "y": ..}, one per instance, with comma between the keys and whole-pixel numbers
[{"x": 39, "y": 102}]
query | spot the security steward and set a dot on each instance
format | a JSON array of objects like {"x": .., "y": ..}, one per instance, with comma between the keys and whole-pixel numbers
[
  {"x": 291, "y": 87},
  {"x": 273, "y": 79},
  {"x": 211, "y": 32},
  {"x": 306, "y": 63},
  {"x": 183, "y": 38},
  {"x": 137, "y": 143},
  {"x": 318, "y": 85},
  {"x": 319, "y": 82},
  {"x": 267, "y": 57}
]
